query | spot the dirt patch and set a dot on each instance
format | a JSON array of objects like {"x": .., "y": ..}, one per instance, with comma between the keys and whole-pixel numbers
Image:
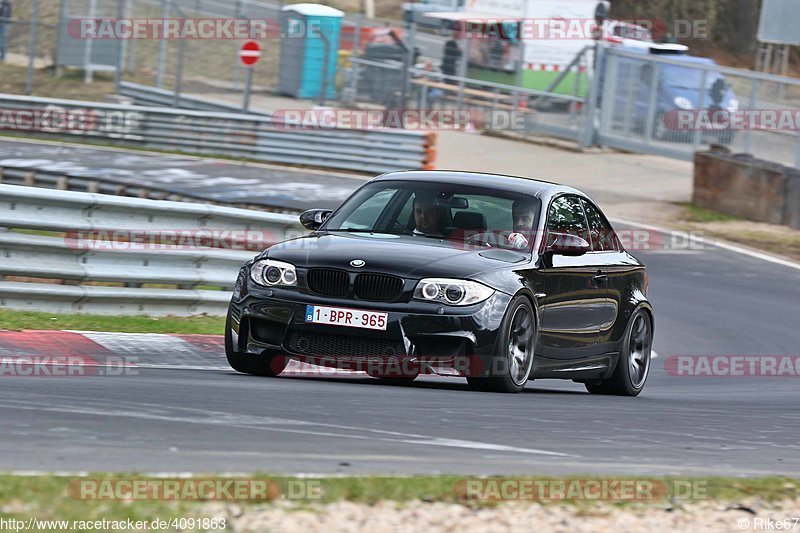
[{"x": 519, "y": 516}]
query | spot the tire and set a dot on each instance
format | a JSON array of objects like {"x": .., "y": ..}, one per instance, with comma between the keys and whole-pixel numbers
[
  {"x": 633, "y": 365},
  {"x": 514, "y": 349},
  {"x": 265, "y": 365}
]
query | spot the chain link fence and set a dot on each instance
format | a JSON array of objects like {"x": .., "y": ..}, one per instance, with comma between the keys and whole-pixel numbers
[
  {"x": 675, "y": 106},
  {"x": 616, "y": 98}
]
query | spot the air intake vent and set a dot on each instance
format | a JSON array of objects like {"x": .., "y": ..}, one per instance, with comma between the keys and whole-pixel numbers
[
  {"x": 377, "y": 287},
  {"x": 321, "y": 344},
  {"x": 328, "y": 282}
]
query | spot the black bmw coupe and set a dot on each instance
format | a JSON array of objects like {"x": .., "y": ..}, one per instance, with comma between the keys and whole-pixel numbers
[{"x": 496, "y": 278}]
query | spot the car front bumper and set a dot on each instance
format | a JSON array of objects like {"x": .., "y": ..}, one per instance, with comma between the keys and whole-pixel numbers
[{"x": 434, "y": 337}]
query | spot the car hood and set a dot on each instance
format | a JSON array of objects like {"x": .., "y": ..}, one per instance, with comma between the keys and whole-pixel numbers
[
  {"x": 405, "y": 256},
  {"x": 695, "y": 95}
]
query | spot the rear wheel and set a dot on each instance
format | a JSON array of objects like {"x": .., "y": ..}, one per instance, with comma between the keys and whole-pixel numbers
[
  {"x": 633, "y": 365},
  {"x": 516, "y": 340},
  {"x": 268, "y": 364}
]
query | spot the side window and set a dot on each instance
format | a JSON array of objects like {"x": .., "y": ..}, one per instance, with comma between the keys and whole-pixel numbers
[
  {"x": 602, "y": 236},
  {"x": 566, "y": 216}
]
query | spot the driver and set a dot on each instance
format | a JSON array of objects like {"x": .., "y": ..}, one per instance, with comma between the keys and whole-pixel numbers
[
  {"x": 523, "y": 213},
  {"x": 428, "y": 216}
]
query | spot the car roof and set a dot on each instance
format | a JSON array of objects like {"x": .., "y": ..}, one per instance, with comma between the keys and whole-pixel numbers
[
  {"x": 502, "y": 182},
  {"x": 692, "y": 59}
]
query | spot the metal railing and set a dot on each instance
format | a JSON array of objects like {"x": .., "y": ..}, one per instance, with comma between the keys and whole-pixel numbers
[
  {"x": 542, "y": 112},
  {"x": 67, "y": 252},
  {"x": 70, "y": 181},
  {"x": 146, "y": 95},
  {"x": 255, "y": 137},
  {"x": 637, "y": 108}
]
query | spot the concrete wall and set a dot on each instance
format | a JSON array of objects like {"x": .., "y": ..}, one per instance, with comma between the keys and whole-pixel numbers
[{"x": 746, "y": 187}]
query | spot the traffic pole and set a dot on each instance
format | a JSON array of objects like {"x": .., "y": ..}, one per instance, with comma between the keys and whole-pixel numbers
[{"x": 248, "y": 84}]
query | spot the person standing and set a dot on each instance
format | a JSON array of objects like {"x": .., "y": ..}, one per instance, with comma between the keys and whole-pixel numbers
[
  {"x": 429, "y": 75},
  {"x": 452, "y": 53}
]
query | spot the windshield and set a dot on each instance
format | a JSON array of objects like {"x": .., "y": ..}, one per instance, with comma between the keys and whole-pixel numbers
[
  {"x": 460, "y": 213},
  {"x": 687, "y": 77}
]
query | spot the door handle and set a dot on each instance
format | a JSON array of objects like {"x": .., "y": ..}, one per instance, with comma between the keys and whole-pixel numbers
[{"x": 600, "y": 278}]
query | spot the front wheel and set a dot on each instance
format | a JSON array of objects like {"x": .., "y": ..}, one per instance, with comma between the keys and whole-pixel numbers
[
  {"x": 511, "y": 365},
  {"x": 633, "y": 365}
]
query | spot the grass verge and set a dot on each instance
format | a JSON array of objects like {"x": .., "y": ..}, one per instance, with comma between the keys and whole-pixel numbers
[
  {"x": 695, "y": 213},
  {"x": 53, "y": 497},
  {"x": 202, "y": 324},
  {"x": 770, "y": 238}
]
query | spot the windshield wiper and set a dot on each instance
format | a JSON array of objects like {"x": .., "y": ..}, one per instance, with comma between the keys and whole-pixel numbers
[{"x": 353, "y": 230}]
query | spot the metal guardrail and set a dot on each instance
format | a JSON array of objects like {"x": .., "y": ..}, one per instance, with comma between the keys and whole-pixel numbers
[
  {"x": 154, "y": 96},
  {"x": 102, "y": 183},
  {"x": 106, "y": 254},
  {"x": 254, "y": 137}
]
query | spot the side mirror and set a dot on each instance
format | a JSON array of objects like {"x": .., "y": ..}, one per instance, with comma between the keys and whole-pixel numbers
[
  {"x": 566, "y": 244},
  {"x": 313, "y": 218}
]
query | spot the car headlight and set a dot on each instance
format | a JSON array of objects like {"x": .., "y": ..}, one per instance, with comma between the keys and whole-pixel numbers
[
  {"x": 733, "y": 105},
  {"x": 681, "y": 102},
  {"x": 451, "y": 291},
  {"x": 271, "y": 273}
]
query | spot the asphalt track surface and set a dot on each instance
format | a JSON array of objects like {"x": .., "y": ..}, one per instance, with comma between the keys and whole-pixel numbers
[
  {"x": 212, "y": 180},
  {"x": 708, "y": 302}
]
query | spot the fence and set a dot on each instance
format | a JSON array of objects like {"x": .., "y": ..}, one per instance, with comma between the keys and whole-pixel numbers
[
  {"x": 631, "y": 106},
  {"x": 542, "y": 112},
  {"x": 254, "y": 137},
  {"x": 643, "y": 100},
  {"x": 106, "y": 254}
]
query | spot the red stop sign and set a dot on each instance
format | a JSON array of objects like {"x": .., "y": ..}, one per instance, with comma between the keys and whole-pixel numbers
[{"x": 250, "y": 53}]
